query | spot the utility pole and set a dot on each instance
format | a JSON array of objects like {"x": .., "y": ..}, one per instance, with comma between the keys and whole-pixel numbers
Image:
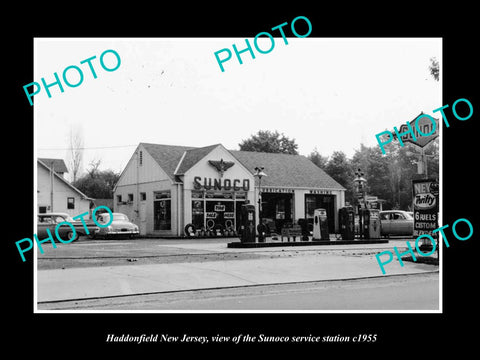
[
  {"x": 424, "y": 161},
  {"x": 51, "y": 185}
]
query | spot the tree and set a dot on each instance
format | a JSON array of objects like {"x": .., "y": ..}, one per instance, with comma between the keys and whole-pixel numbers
[
  {"x": 75, "y": 151},
  {"x": 434, "y": 68},
  {"x": 94, "y": 165},
  {"x": 97, "y": 184},
  {"x": 432, "y": 151},
  {"x": 377, "y": 169},
  {"x": 271, "y": 142},
  {"x": 390, "y": 176},
  {"x": 318, "y": 159},
  {"x": 340, "y": 169}
]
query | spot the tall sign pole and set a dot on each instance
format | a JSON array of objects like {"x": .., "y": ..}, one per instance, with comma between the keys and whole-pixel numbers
[
  {"x": 426, "y": 127},
  {"x": 425, "y": 191},
  {"x": 51, "y": 185}
]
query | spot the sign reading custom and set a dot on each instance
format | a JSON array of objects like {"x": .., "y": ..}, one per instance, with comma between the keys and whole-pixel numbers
[
  {"x": 221, "y": 184},
  {"x": 425, "y": 206}
]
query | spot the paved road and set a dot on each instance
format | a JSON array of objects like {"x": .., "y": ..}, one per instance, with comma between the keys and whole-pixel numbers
[
  {"x": 403, "y": 292},
  {"x": 87, "y": 253},
  {"x": 104, "y": 270}
]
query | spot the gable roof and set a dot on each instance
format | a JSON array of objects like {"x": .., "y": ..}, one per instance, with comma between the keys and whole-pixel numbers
[
  {"x": 167, "y": 156},
  {"x": 60, "y": 178},
  {"x": 58, "y": 164},
  {"x": 283, "y": 170},
  {"x": 192, "y": 156}
]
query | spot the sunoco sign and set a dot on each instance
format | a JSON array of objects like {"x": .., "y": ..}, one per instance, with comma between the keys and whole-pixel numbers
[{"x": 420, "y": 126}]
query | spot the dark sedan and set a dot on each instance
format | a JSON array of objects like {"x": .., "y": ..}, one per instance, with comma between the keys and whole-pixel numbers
[{"x": 51, "y": 220}]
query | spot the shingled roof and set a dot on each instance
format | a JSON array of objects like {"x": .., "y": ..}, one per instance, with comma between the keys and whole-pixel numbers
[
  {"x": 287, "y": 170},
  {"x": 167, "y": 156},
  {"x": 193, "y": 156},
  {"x": 283, "y": 170},
  {"x": 58, "y": 165}
]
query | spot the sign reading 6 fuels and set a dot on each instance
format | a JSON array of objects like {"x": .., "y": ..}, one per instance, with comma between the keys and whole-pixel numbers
[{"x": 425, "y": 206}]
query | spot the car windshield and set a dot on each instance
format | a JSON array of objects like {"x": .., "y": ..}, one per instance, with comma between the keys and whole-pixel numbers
[
  {"x": 54, "y": 219},
  {"x": 408, "y": 216},
  {"x": 45, "y": 220}
]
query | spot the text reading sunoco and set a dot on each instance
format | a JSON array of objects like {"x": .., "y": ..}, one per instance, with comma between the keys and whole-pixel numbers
[{"x": 228, "y": 54}]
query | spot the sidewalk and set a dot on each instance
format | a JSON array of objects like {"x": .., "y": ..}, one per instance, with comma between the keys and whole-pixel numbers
[{"x": 92, "y": 282}]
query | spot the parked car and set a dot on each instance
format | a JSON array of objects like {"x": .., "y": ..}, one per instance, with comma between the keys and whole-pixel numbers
[
  {"x": 51, "y": 220},
  {"x": 119, "y": 227},
  {"x": 396, "y": 222}
]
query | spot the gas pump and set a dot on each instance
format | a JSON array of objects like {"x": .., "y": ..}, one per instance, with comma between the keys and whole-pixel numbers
[
  {"x": 346, "y": 218},
  {"x": 304, "y": 226},
  {"x": 320, "y": 225},
  {"x": 371, "y": 223},
  {"x": 247, "y": 227}
]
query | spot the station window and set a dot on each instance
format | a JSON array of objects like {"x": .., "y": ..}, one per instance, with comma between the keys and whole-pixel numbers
[
  {"x": 70, "y": 203},
  {"x": 119, "y": 198},
  {"x": 143, "y": 196},
  {"x": 217, "y": 210},
  {"x": 130, "y": 197}
]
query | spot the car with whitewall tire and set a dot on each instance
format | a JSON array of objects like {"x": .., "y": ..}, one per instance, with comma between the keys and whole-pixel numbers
[{"x": 119, "y": 226}]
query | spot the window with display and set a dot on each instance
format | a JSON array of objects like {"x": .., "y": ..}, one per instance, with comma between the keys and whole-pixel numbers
[
  {"x": 162, "y": 211},
  {"x": 310, "y": 205},
  {"x": 317, "y": 201},
  {"x": 216, "y": 210}
]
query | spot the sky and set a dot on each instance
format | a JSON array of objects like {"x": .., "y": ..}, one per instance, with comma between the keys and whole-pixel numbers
[{"x": 328, "y": 94}]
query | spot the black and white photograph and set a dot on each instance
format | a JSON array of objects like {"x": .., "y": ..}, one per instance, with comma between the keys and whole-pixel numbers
[
  {"x": 243, "y": 189},
  {"x": 220, "y": 189}
]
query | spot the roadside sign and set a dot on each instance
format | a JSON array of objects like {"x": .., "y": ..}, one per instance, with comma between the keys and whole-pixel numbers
[
  {"x": 425, "y": 125},
  {"x": 425, "y": 206}
]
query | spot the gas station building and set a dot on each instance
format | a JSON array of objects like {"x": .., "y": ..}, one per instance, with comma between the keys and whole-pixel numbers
[{"x": 165, "y": 188}]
